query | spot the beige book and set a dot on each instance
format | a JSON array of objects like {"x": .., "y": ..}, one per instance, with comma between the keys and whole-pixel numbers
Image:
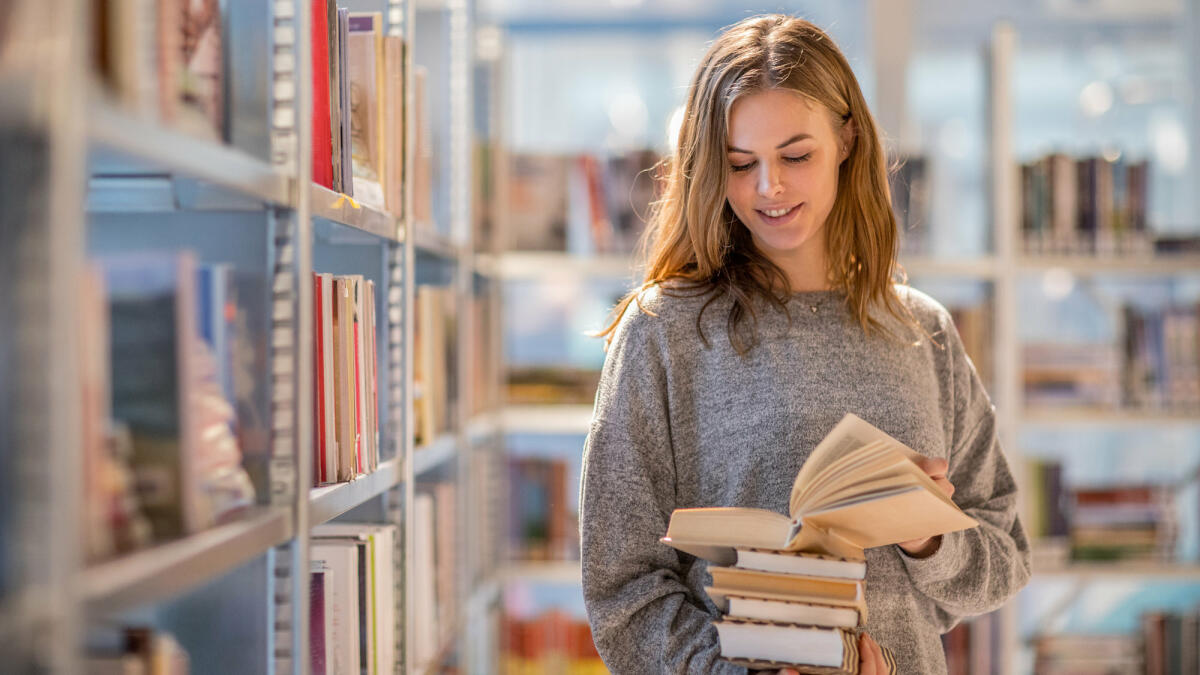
[
  {"x": 393, "y": 123},
  {"x": 346, "y": 411},
  {"x": 859, "y": 489},
  {"x": 794, "y": 587}
]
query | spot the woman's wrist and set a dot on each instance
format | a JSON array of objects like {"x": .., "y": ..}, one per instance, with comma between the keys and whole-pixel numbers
[{"x": 924, "y": 550}]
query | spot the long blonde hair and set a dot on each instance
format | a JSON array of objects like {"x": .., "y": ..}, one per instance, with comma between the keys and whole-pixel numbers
[{"x": 694, "y": 240}]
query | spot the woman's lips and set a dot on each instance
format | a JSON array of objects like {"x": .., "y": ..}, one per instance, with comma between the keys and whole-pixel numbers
[{"x": 778, "y": 220}]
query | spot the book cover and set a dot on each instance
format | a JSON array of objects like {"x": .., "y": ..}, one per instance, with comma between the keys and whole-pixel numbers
[
  {"x": 203, "y": 71},
  {"x": 322, "y": 148},
  {"x": 328, "y": 392},
  {"x": 394, "y": 112},
  {"x": 364, "y": 53},
  {"x": 360, "y": 403},
  {"x": 342, "y": 604},
  {"x": 152, "y": 322},
  {"x": 347, "y": 141},
  {"x": 859, "y": 489}
]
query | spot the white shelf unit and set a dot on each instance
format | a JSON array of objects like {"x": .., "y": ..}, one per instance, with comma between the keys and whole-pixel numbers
[
  {"x": 1014, "y": 267},
  {"x": 182, "y": 191}
]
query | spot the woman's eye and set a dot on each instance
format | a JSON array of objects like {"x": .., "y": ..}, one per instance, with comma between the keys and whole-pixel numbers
[
  {"x": 742, "y": 167},
  {"x": 797, "y": 160}
]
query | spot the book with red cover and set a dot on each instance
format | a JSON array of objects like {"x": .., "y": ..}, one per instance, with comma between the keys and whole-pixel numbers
[{"x": 322, "y": 148}]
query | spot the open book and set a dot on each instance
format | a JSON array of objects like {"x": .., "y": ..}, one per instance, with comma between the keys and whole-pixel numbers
[{"x": 859, "y": 489}]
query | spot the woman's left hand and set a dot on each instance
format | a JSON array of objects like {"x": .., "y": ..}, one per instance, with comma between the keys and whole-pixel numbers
[{"x": 936, "y": 468}]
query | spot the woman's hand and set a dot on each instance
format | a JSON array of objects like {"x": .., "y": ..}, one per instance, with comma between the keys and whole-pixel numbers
[
  {"x": 870, "y": 657},
  {"x": 936, "y": 468}
]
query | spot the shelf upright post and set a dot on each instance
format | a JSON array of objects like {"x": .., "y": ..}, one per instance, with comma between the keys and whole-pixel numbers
[
  {"x": 406, "y": 295},
  {"x": 42, "y": 158},
  {"x": 1005, "y": 226},
  {"x": 291, "y": 341},
  {"x": 461, "y": 57}
]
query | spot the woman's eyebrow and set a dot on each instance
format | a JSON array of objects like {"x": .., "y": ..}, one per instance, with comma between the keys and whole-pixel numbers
[{"x": 793, "y": 139}]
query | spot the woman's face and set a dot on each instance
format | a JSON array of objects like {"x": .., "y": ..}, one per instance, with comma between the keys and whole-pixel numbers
[{"x": 783, "y": 155}]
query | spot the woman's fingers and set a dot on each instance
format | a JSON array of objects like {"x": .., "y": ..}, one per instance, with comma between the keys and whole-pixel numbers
[{"x": 870, "y": 657}]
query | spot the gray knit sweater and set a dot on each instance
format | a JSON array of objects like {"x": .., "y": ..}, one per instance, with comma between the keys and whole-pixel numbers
[{"x": 680, "y": 424}]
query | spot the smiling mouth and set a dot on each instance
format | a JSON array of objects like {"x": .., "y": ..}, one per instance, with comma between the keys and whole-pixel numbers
[{"x": 776, "y": 215}]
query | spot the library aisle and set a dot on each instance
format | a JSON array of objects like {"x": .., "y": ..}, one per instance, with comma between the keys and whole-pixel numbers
[{"x": 298, "y": 367}]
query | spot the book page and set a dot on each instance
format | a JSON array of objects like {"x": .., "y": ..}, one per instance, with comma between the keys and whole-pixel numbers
[
  {"x": 863, "y": 462},
  {"x": 850, "y": 433}
]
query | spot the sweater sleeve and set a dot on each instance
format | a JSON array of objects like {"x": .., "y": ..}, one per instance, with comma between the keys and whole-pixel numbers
[
  {"x": 977, "y": 570},
  {"x": 644, "y": 619}
]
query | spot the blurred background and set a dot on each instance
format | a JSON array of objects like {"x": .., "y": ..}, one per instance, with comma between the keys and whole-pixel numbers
[
  {"x": 475, "y": 174},
  {"x": 1047, "y": 185}
]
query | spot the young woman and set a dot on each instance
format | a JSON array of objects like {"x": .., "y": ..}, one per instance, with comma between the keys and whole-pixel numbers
[{"x": 769, "y": 310}]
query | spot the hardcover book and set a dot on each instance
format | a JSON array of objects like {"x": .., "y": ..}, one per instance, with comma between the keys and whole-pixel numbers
[{"x": 859, "y": 489}]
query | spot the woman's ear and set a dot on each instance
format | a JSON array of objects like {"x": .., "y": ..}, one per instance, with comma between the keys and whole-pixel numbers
[{"x": 847, "y": 136}]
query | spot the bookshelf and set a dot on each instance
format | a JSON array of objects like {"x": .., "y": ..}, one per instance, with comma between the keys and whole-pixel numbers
[
  {"x": 1026, "y": 621},
  {"x": 88, "y": 176}
]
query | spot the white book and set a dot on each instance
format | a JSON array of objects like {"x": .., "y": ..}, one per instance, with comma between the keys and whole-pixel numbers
[
  {"x": 425, "y": 610},
  {"x": 381, "y": 612},
  {"x": 341, "y": 562},
  {"x": 808, "y": 564},
  {"x": 747, "y": 641},
  {"x": 361, "y": 452}
]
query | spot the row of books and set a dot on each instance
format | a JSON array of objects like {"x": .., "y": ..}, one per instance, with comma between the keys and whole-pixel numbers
[
  {"x": 538, "y": 385},
  {"x": 909, "y": 184},
  {"x": 134, "y": 650},
  {"x": 485, "y": 357},
  {"x": 435, "y": 565},
  {"x": 551, "y": 642},
  {"x": 163, "y": 60},
  {"x": 345, "y": 378},
  {"x": 352, "y": 604},
  {"x": 580, "y": 204},
  {"x": 1154, "y": 365},
  {"x": 435, "y": 386},
  {"x": 568, "y": 384},
  {"x": 162, "y": 454},
  {"x": 358, "y": 105},
  {"x": 1168, "y": 643},
  {"x": 1125, "y": 522},
  {"x": 1084, "y": 205},
  {"x": 542, "y": 518},
  {"x": 974, "y": 646}
]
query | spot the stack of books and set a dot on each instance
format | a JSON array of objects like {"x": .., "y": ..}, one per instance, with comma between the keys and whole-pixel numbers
[
  {"x": 787, "y": 608},
  {"x": 791, "y": 589}
]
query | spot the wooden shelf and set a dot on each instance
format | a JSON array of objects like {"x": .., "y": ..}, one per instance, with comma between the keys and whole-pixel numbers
[
  {"x": 434, "y": 244},
  {"x": 1050, "y": 417},
  {"x": 547, "y": 419},
  {"x": 561, "y": 572},
  {"x": 442, "y": 450},
  {"x": 330, "y": 501},
  {"x": 1140, "y": 570},
  {"x": 1135, "y": 265},
  {"x": 175, "y": 567},
  {"x": 169, "y": 151},
  {"x": 986, "y": 268},
  {"x": 555, "y": 265},
  {"x": 484, "y": 425},
  {"x": 338, "y": 208}
]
